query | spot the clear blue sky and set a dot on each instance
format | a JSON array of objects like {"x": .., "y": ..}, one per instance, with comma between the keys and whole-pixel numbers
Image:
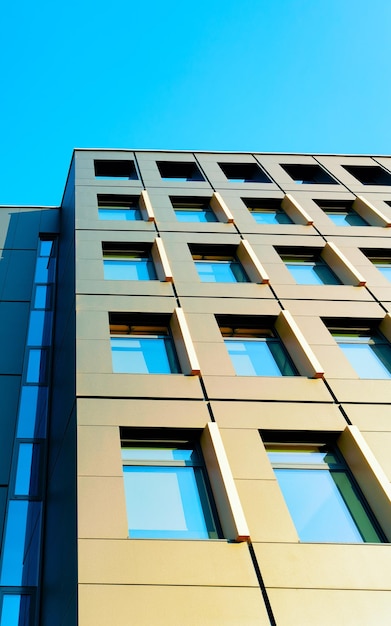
[{"x": 251, "y": 75}]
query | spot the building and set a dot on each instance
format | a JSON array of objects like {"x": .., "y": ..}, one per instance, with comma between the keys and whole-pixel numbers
[{"x": 196, "y": 392}]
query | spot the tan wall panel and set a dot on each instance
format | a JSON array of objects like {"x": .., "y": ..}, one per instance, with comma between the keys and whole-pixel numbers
[
  {"x": 154, "y": 562},
  {"x": 360, "y": 390},
  {"x": 310, "y": 607},
  {"x": 139, "y": 385},
  {"x": 266, "y": 388},
  {"x": 98, "y": 451},
  {"x": 372, "y": 417},
  {"x": 120, "y": 605},
  {"x": 328, "y": 566},
  {"x": 380, "y": 444},
  {"x": 246, "y": 454},
  {"x": 101, "y": 507}
]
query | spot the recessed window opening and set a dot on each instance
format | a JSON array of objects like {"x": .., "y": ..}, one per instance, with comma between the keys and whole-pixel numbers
[
  {"x": 255, "y": 347},
  {"x": 323, "y": 498},
  {"x": 381, "y": 259},
  {"x": 166, "y": 486},
  {"x": 308, "y": 268},
  {"x": 266, "y": 211},
  {"x": 218, "y": 264},
  {"x": 123, "y": 261},
  {"x": 193, "y": 209},
  {"x": 115, "y": 169},
  {"x": 118, "y": 207},
  {"x": 365, "y": 347},
  {"x": 341, "y": 212},
  {"x": 369, "y": 174},
  {"x": 179, "y": 171},
  {"x": 244, "y": 173},
  {"x": 142, "y": 344},
  {"x": 308, "y": 174}
]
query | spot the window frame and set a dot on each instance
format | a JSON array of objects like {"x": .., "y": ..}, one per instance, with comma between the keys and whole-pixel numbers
[
  {"x": 137, "y": 256},
  {"x": 352, "y": 337}
]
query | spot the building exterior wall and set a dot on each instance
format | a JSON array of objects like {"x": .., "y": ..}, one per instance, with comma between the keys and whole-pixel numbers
[{"x": 94, "y": 574}]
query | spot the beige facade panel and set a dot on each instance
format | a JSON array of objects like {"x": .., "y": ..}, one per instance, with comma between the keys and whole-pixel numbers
[
  {"x": 380, "y": 444},
  {"x": 367, "y": 391},
  {"x": 221, "y": 209},
  {"x": 345, "y": 271},
  {"x": 183, "y": 343},
  {"x": 370, "y": 213},
  {"x": 146, "y": 207},
  {"x": 323, "y": 308},
  {"x": 226, "y": 497},
  {"x": 325, "y": 566},
  {"x": 156, "y": 562},
  {"x": 330, "y": 293},
  {"x": 163, "y": 269},
  {"x": 254, "y": 269},
  {"x": 369, "y": 417},
  {"x": 233, "y": 306},
  {"x": 214, "y": 358},
  {"x": 98, "y": 497},
  {"x": 146, "y": 413},
  {"x": 123, "y": 288},
  {"x": 307, "y": 607},
  {"x": 313, "y": 416},
  {"x": 164, "y": 605},
  {"x": 246, "y": 454},
  {"x": 240, "y": 291},
  {"x": 138, "y": 385},
  {"x": 123, "y": 304},
  {"x": 266, "y": 512},
  {"x": 98, "y": 451},
  {"x": 294, "y": 388},
  {"x": 369, "y": 474}
]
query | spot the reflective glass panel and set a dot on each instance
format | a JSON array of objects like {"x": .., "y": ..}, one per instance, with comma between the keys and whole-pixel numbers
[
  {"x": 384, "y": 267},
  {"x": 369, "y": 355},
  {"x": 195, "y": 215},
  {"x": 312, "y": 273},
  {"x": 20, "y": 554},
  {"x": 221, "y": 272},
  {"x": 118, "y": 214},
  {"x": 144, "y": 355},
  {"x": 15, "y": 610},
  {"x": 264, "y": 216},
  {"x": 259, "y": 357},
  {"x": 129, "y": 269},
  {"x": 346, "y": 218}
]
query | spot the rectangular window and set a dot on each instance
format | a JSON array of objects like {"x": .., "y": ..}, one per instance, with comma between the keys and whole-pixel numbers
[
  {"x": 142, "y": 345},
  {"x": 369, "y": 174},
  {"x": 118, "y": 207},
  {"x": 166, "y": 489},
  {"x": 322, "y": 496},
  {"x": 179, "y": 171},
  {"x": 381, "y": 259},
  {"x": 244, "y": 173},
  {"x": 218, "y": 264},
  {"x": 266, "y": 211},
  {"x": 310, "y": 174},
  {"x": 115, "y": 169},
  {"x": 127, "y": 262},
  {"x": 367, "y": 349},
  {"x": 309, "y": 269},
  {"x": 189, "y": 209},
  {"x": 341, "y": 212},
  {"x": 255, "y": 351}
]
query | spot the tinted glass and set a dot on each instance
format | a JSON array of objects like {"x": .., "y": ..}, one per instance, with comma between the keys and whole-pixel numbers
[
  {"x": 129, "y": 269},
  {"x": 138, "y": 355},
  {"x": 259, "y": 357},
  {"x": 221, "y": 272}
]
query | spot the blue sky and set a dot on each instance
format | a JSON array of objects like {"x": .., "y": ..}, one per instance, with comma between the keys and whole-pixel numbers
[{"x": 254, "y": 75}]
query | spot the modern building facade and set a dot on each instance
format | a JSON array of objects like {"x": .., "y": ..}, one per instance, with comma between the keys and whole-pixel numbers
[{"x": 196, "y": 384}]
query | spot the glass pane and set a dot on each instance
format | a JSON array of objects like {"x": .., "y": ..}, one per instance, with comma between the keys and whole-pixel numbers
[
  {"x": 346, "y": 218},
  {"x": 385, "y": 270},
  {"x": 220, "y": 272},
  {"x": 129, "y": 269},
  {"x": 271, "y": 217},
  {"x": 36, "y": 367},
  {"x": 165, "y": 502},
  {"x": 317, "y": 507},
  {"x": 15, "y": 610},
  {"x": 162, "y": 453},
  {"x": 23, "y": 472},
  {"x": 39, "y": 328},
  {"x": 192, "y": 215},
  {"x": 119, "y": 214},
  {"x": 45, "y": 248},
  {"x": 20, "y": 554},
  {"x": 43, "y": 297},
  {"x": 257, "y": 358},
  {"x": 312, "y": 274},
  {"x": 304, "y": 455},
  {"x": 136, "y": 355},
  {"x": 32, "y": 412},
  {"x": 369, "y": 361}
]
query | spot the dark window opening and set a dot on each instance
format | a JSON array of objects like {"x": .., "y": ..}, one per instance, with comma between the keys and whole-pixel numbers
[
  {"x": 266, "y": 210},
  {"x": 369, "y": 174},
  {"x": 115, "y": 169},
  {"x": 341, "y": 212},
  {"x": 193, "y": 209},
  {"x": 308, "y": 174},
  {"x": 244, "y": 173},
  {"x": 179, "y": 171}
]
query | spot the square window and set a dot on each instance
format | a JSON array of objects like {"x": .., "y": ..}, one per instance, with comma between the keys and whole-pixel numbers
[
  {"x": 255, "y": 350},
  {"x": 369, "y": 174},
  {"x": 309, "y": 269},
  {"x": 118, "y": 207},
  {"x": 188, "y": 209},
  {"x": 308, "y": 174},
  {"x": 179, "y": 171},
  {"x": 166, "y": 487},
  {"x": 267, "y": 211},
  {"x": 367, "y": 350},
  {"x": 325, "y": 503},
  {"x": 218, "y": 264},
  {"x": 142, "y": 344},
  {"x": 127, "y": 262},
  {"x": 115, "y": 169},
  {"x": 341, "y": 212},
  {"x": 244, "y": 173}
]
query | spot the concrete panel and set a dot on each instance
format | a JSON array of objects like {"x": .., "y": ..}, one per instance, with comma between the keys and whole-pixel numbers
[
  {"x": 231, "y": 306},
  {"x": 327, "y": 566},
  {"x": 99, "y": 451},
  {"x": 9, "y": 393},
  {"x": 369, "y": 417},
  {"x": 139, "y": 385},
  {"x": 321, "y": 308},
  {"x": 100, "y": 605},
  {"x": 143, "y": 413},
  {"x": 13, "y": 316},
  {"x": 312, "y": 416},
  {"x": 98, "y": 497},
  {"x": 306, "y": 607},
  {"x": 265, "y": 388},
  {"x": 366, "y": 391},
  {"x": 380, "y": 444},
  {"x": 321, "y": 292},
  {"x": 246, "y": 454},
  {"x": 133, "y": 562}
]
